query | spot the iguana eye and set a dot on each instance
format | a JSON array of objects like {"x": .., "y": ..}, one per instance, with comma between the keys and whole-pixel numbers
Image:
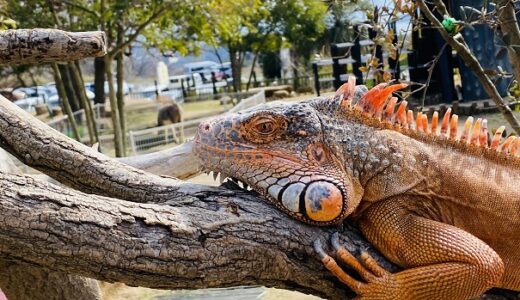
[{"x": 265, "y": 126}]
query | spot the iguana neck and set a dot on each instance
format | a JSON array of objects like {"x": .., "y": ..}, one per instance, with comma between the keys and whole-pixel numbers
[{"x": 375, "y": 156}]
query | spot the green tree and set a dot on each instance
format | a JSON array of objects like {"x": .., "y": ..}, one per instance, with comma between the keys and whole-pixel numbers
[
  {"x": 302, "y": 24},
  {"x": 232, "y": 22}
]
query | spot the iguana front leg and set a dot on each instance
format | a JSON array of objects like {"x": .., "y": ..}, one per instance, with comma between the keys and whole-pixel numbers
[{"x": 440, "y": 261}]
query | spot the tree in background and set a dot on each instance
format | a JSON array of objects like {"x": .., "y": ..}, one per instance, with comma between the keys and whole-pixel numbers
[
  {"x": 233, "y": 23},
  {"x": 264, "y": 26},
  {"x": 271, "y": 65}
]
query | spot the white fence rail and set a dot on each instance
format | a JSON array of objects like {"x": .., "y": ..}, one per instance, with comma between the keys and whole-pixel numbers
[{"x": 151, "y": 139}]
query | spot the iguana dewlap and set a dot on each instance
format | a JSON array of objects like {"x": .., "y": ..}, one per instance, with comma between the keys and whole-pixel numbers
[{"x": 442, "y": 205}]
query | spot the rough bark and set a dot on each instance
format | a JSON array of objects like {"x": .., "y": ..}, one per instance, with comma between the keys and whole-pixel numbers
[
  {"x": 23, "y": 281},
  {"x": 75, "y": 164},
  {"x": 210, "y": 239},
  {"x": 30, "y": 46},
  {"x": 510, "y": 32},
  {"x": 458, "y": 44}
]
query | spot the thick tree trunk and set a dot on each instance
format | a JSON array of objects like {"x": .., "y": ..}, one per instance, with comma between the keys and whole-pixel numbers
[
  {"x": 510, "y": 32},
  {"x": 54, "y": 154},
  {"x": 60, "y": 87},
  {"x": 81, "y": 95},
  {"x": 31, "y": 46},
  {"x": 214, "y": 238},
  {"x": 99, "y": 80},
  {"x": 116, "y": 120},
  {"x": 69, "y": 90},
  {"x": 236, "y": 69},
  {"x": 120, "y": 96},
  {"x": 89, "y": 109}
]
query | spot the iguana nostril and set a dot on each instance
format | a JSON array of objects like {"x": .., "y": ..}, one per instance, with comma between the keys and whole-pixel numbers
[{"x": 323, "y": 201}]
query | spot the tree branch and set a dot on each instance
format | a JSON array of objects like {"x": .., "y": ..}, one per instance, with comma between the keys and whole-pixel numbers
[
  {"x": 21, "y": 281},
  {"x": 511, "y": 33},
  {"x": 459, "y": 45},
  {"x": 137, "y": 32},
  {"x": 209, "y": 239},
  {"x": 28, "y": 46},
  {"x": 81, "y": 7},
  {"x": 178, "y": 162},
  {"x": 77, "y": 165}
]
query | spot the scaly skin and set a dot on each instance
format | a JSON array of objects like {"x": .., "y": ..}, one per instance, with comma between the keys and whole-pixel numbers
[{"x": 446, "y": 211}]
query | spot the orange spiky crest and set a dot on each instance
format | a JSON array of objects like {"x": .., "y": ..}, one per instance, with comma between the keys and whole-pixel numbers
[{"x": 378, "y": 108}]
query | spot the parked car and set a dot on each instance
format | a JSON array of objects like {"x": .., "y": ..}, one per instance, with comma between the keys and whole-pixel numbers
[
  {"x": 54, "y": 100},
  {"x": 11, "y": 94},
  {"x": 29, "y": 103},
  {"x": 150, "y": 92},
  {"x": 223, "y": 72},
  {"x": 176, "y": 81},
  {"x": 127, "y": 88},
  {"x": 34, "y": 92}
]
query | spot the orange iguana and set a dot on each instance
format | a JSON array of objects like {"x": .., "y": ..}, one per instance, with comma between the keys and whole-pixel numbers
[{"x": 445, "y": 207}]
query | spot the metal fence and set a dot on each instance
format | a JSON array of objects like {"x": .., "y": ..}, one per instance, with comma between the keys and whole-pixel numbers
[
  {"x": 62, "y": 123},
  {"x": 153, "y": 139}
]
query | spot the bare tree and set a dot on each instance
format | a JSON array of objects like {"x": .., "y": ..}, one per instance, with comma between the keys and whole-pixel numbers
[{"x": 458, "y": 43}]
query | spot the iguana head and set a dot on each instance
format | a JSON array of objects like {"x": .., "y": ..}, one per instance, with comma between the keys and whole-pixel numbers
[{"x": 287, "y": 152}]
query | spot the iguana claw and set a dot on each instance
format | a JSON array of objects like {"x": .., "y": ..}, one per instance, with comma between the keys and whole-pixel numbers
[{"x": 367, "y": 267}]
